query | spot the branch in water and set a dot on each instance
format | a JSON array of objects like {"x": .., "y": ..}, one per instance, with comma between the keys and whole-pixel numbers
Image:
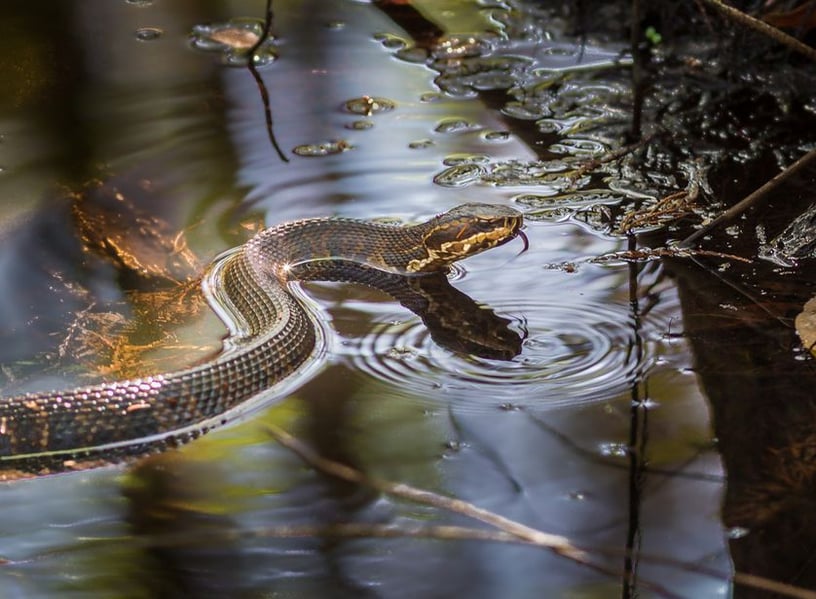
[
  {"x": 511, "y": 530},
  {"x": 259, "y": 80}
]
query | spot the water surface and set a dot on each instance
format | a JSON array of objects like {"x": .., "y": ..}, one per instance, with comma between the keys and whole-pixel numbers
[{"x": 543, "y": 437}]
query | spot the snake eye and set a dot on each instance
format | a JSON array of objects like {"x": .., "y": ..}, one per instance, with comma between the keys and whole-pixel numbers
[{"x": 484, "y": 225}]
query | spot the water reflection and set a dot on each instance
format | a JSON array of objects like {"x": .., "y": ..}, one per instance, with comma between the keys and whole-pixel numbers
[
  {"x": 470, "y": 427},
  {"x": 158, "y": 162},
  {"x": 573, "y": 352}
]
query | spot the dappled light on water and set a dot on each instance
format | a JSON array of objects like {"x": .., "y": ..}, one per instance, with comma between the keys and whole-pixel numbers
[{"x": 552, "y": 385}]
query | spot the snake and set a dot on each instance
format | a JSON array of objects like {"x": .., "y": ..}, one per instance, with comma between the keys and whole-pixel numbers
[{"x": 273, "y": 334}]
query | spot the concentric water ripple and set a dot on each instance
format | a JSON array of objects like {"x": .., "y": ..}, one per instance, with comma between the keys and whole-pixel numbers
[{"x": 572, "y": 354}]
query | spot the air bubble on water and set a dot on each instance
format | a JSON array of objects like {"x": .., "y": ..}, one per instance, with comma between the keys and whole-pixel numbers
[
  {"x": 459, "y": 176},
  {"x": 326, "y": 148},
  {"x": 420, "y": 144},
  {"x": 455, "y": 159},
  {"x": 461, "y": 77},
  {"x": 391, "y": 41},
  {"x": 550, "y": 177},
  {"x": 462, "y": 46},
  {"x": 148, "y": 34},
  {"x": 584, "y": 198},
  {"x": 524, "y": 111},
  {"x": 430, "y": 97},
  {"x": 412, "y": 54},
  {"x": 496, "y": 136},
  {"x": 263, "y": 56},
  {"x": 453, "y": 125},
  {"x": 360, "y": 125},
  {"x": 369, "y": 105},
  {"x": 233, "y": 39},
  {"x": 737, "y": 532},
  {"x": 579, "y": 147}
]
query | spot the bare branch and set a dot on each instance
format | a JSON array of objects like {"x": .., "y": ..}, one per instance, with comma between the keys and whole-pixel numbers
[
  {"x": 510, "y": 531},
  {"x": 762, "y": 27},
  {"x": 557, "y": 543}
]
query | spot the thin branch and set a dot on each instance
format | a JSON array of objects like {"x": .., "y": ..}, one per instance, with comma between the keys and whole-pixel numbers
[
  {"x": 762, "y": 27},
  {"x": 557, "y": 543},
  {"x": 259, "y": 80},
  {"x": 638, "y": 86},
  {"x": 754, "y": 198},
  {"x": 510, "y": 531}
]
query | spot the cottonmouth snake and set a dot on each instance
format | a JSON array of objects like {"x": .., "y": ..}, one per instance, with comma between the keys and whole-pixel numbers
[{"x": 272, "y": 335}]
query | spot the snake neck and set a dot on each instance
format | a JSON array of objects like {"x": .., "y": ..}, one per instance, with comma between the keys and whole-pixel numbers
[{"x": 309, "y": 249}]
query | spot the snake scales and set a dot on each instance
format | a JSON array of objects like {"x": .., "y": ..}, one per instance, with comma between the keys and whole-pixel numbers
[{"x": 272, "y": 335}]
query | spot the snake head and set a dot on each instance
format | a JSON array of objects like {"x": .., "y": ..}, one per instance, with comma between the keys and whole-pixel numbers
[{"x": 465, "y": 231}]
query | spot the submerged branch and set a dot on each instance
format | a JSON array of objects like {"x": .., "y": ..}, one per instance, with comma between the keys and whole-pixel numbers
[
  {"x": 557, "y": 543},
  {"x": 509, "y": 531}
]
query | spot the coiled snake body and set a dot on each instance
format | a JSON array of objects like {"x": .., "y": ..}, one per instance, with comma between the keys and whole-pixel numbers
[{"x": 271, "y": 334}]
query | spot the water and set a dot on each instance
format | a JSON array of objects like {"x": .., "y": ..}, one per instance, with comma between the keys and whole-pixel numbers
[{"x": 542, "y": 437}]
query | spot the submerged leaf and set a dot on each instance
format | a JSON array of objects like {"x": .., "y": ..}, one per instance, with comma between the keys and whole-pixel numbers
[{"x": 806, "y": 325}]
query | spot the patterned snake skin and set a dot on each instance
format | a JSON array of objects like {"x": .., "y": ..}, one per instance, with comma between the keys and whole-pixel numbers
[{"x": 272, "y": 335}]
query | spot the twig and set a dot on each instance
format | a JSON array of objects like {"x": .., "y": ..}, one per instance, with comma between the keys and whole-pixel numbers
[
  {"x": 509, "y": 531},
  {"x": 754, "y": 198},
  {"x": 766, "y": 584},
  {"x": 763, "y": 28},
  {"x": 671, "y": 207},
  {"x": 259, "y": 80},
  {"x": 557, "y": 543},
  {"x": 637, "y": 71}
]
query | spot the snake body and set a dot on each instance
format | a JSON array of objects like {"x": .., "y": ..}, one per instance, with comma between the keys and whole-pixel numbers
[{"x": 272, "y": 334}]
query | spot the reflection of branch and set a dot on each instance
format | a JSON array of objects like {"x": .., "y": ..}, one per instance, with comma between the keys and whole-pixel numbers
[
  {"x": 638, "y": 437},
  {"x": 594, "y": 458},
  {"x": 259, "y": 80},
  {"x": 510, "y": 531}
]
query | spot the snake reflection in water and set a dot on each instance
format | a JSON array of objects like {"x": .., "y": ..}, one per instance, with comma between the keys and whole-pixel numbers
[{"x": 272, "y": 333}]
